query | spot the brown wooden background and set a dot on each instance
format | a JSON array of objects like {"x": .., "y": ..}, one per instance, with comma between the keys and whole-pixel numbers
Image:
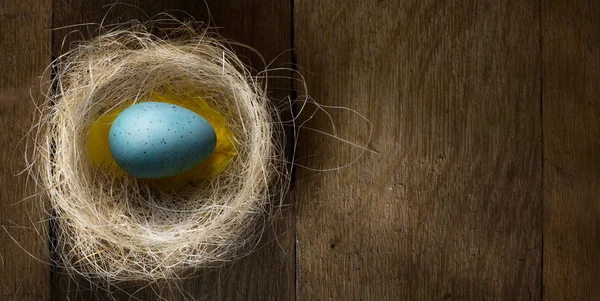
[{"x": 486, "y": 118}]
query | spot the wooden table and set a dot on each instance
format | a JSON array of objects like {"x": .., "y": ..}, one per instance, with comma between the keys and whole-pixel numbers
[{"x": 485, "y": 175}]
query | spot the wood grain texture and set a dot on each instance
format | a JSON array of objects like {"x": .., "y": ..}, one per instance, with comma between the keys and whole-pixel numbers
[
  {"x": 268, "y": 273},
  {"x": 571, "y": 123},
  {"x": 24, "y": 43},
  {"x": 450, "y": 208}
]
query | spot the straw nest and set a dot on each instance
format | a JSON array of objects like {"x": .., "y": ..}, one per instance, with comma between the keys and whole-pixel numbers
[{"x": 116, "y": 227}]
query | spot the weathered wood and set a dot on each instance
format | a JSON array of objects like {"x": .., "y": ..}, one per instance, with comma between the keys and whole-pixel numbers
[
  {"x": 571, "y": 125},
  {"x": 268, "y": 273},
  {"x": 24, "y": 42},
  {"x": 450, "y": 208}
]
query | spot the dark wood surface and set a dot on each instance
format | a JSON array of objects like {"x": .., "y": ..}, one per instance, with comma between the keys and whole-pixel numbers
[
  {"x": 24, "y": 54},
  {"x": 571, "y": 123},
  {"x": 450, "y": 208},
  {"x": 483, "y": 174}
]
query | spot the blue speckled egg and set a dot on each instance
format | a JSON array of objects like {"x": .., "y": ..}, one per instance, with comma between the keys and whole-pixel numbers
[{"x": 152, "y": 140}]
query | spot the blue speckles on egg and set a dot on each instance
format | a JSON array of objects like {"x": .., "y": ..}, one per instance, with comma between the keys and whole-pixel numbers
[{"x": 152, "y": 140}]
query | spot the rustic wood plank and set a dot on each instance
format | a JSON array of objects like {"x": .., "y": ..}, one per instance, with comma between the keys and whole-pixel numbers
[
  {"x": 268, "y": 273},
  {"x": 571, "y": 114},
  {"x": 450, "y": 208},
  {"x": 24, "y": 54}
]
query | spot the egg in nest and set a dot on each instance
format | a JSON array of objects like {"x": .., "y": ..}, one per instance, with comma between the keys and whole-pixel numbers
[{"x": 175, "y": 138}]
